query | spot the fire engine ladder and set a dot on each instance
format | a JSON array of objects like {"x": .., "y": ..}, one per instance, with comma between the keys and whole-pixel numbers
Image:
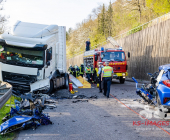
[{"x": 113, "y": 42}]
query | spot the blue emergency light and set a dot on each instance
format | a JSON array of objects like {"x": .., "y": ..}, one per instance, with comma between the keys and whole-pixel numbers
[
  {"x": 120, "y": 48},
  {"x": 102, "y": 49}
]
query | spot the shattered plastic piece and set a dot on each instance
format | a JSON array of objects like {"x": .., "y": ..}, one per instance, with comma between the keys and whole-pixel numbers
[
  {"x": 27, "y": 96},
  {"x": 50, "y": 106},
  {"x": 17, "y": 102},
  {"x": 51, "y": 101},
  {"x": 74, "y": 97}
]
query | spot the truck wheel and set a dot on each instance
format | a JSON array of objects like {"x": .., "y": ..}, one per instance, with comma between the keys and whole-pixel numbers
[
  {"x": 51, "y": 88},
  {"x": 122, "y": 80},
  {"x": 66, "y": 84}
]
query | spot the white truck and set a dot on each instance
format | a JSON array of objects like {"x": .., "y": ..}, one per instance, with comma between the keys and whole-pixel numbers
[{"x": 33, "y": 57}]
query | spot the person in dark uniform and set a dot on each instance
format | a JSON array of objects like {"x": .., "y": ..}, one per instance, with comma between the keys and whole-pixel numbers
[
  {"x": 74, "y": 71},
  {"x": 71, "y": 69},
  {"x": 92, "y": 73},
  {"x": 100, "y": 72},
  {"x": 81, "y": 70},
  {"x": 107, "y": 75},
  {"x": 77, "y": 71},
  {"x": 88, "y": 44}
]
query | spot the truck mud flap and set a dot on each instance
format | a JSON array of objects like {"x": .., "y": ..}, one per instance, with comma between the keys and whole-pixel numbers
[{"x": 40, "y": 85}]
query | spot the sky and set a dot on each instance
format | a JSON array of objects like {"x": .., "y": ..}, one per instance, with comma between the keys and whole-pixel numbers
[{"x": 61, "y": 12}]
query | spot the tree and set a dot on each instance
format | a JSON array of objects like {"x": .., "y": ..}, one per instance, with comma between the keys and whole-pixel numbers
[
  {"x": 159, "y": 7},
  {"x": 3, "y": 19},
  {"x": 119, "y": 17},
  {"x": 136, "y": 5},
  {"x": 101, "y": 22},
  {"x": 109, "y": 20}
]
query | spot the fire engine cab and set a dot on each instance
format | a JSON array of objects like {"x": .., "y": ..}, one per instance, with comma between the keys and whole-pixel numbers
[{"x": 116, "y": 58}]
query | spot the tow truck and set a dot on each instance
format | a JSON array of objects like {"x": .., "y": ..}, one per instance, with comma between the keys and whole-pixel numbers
[{"x": 115, "y": 56}]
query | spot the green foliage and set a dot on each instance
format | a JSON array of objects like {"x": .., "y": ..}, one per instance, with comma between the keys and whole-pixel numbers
[
  {"x": 159, "y": 6},
  {"x": 119, "y": 17},
  {"x": 135, "y": 29}
]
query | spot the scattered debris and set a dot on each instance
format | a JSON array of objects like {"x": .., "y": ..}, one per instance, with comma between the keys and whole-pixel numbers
[
  {"x": 51, "y": 101},
  {"x": 18, "y": 119},
  {"x": 50, "y": 106},
  {"x": 28, "y": 112},
  {"x": 79, "y": 101}
]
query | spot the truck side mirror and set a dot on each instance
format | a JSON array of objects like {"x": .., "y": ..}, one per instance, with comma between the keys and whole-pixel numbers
[
  {"x": 48, "y": 63},
  {"x": 128, "y": 54},
  {"x": 96, "y": 58}
]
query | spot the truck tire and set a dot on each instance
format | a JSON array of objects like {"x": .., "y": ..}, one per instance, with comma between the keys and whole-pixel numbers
[
  {"x": 66, "y": 80},
  {"x": 122, "y": 80},
  {"x": 51, "y": 88}
]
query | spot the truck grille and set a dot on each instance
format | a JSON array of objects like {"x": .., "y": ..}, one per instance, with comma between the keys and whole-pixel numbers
[{"x": 19, "y": 82}]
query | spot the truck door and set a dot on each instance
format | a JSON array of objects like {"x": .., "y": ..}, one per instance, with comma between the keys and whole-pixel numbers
[{"x": 49, "y": 62}]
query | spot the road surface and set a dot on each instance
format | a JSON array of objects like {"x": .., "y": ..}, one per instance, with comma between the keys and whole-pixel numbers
[{"x": 100, "y": 119}]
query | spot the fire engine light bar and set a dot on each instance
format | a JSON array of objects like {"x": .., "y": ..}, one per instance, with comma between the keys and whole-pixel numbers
[
  {"x": 120, "y": 48},
  {"x": 102, "y": 49}
]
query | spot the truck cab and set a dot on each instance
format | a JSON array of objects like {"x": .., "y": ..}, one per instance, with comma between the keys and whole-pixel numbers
[{"x": 32, "y": 57}]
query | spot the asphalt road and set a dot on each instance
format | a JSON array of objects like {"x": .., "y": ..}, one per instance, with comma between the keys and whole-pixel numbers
[{"x": 100, "y": 119}]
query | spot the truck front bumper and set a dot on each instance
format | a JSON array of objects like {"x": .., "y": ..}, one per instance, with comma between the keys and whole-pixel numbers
[{"x": 116, "y": 75}]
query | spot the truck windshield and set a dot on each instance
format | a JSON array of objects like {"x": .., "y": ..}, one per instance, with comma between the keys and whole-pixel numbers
[
  {"x": 113, "y": 56},
  {"x": 15, "y": 56}
]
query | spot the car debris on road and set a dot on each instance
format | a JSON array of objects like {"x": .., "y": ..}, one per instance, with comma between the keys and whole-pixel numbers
[{"x": 28, "y": 113}]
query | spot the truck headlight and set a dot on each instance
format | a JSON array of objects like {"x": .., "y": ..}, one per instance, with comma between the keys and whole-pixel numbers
[{"x": 123, "y": 74}]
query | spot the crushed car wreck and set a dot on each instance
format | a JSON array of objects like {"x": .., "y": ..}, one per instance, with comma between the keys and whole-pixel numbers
[{"x": 27, "y": 114}]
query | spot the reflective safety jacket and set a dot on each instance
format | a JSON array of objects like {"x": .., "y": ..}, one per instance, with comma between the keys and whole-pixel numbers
[
  {"x": 107, "y": 71},
  {"x": 81, "y": 69},
  {"x": 71, "y": 70},
  {"x": 88, "y": 69},
  {"x": 77, "y": 72}
]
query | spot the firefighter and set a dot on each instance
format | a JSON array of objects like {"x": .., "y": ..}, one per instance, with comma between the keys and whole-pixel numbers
[
  {"x": 77, "y": 71},
  {"x": 107, "y": 75},
  {"x": 100, "y": 72},
  {"x": 92, "y": 73},
  {"x": 71, "y": 69},
  {"x": 88, "y": 72},
  {"x": 74, "y": 71},
  {"x": 81, "y": 70}
]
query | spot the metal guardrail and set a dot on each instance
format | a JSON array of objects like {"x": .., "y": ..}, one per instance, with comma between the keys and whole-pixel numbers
[
  {"x": 134, "y": 30},
  {"x": 6, "y": 92}
]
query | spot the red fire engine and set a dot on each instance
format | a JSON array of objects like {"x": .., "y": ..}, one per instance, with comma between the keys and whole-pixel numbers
[{"x": 115, "y": 57}]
